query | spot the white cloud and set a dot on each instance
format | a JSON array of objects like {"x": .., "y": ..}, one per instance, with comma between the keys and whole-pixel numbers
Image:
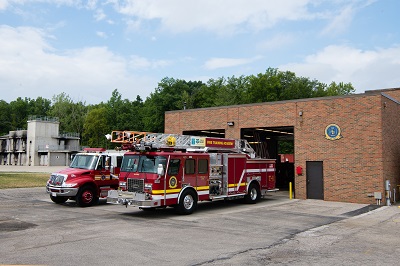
[
  {"x": 340, "y": 22},
  {"x": 99, "y": 15},
  {"x": 90, "y": 4},
  {"x": 215, "y": 63},
  {"x": 223, "y": 16},
  {"x": 29, "y": 67},
  {"x": 275, "y": 42},
  {"x": 3, "y": 4},
  {"x": 101, "y": 34},
  {"x": 141, "y": 63},
  {"x": 365, "y": 69}
]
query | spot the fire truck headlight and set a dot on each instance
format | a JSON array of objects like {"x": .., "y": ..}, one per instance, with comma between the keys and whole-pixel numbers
[
  {"x": 122, "y": 184},
  {"x": 69, "y": 184},
  {"x": 148, "y": 188}
]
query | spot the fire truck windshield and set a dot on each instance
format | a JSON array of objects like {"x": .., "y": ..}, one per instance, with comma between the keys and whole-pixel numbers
[
  {"x": 142, "y": 163},
  {"x": 84, "y": 161}
]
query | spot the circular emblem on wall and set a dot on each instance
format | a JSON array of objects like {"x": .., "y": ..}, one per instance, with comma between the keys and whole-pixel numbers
[
  {"x": 173, "y": 182},
  {"x": 332, "y": 132}
]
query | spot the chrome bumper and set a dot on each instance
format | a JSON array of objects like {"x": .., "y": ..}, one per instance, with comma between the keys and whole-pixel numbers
[
  {"x": 130, "y": 199},
  {"x": 61, "y": 191}
]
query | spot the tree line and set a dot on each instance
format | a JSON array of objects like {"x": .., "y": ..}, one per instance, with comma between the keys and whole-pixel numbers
[{"x": 93, "y": 121}]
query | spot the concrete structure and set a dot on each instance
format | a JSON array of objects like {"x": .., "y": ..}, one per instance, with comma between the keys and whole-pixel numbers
[
  {"x": 40, "y": 145},
  {"x": 346, "y": 148}
]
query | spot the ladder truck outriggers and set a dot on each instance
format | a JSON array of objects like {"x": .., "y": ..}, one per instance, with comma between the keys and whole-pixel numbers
[{"x": 179, "y": 171}]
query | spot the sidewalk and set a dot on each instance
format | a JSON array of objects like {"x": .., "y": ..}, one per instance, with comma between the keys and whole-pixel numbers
[{"x": 31, "y": 169}]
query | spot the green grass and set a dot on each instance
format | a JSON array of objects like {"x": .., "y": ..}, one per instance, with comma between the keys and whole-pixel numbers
[{"x": 23, "y": 180}]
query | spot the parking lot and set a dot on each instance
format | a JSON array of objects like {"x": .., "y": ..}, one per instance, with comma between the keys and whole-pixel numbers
[{"x": 35, "y": 231}]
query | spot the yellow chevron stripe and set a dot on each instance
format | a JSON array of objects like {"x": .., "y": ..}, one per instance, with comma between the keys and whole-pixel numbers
[
  {"x": 202, "y": 188},
  {"x": 177, "y": 190},
  {"x": 235, "y": 185}
]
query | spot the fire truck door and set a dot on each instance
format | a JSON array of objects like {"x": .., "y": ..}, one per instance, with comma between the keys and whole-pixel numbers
[
  {"x": 102, "y": 173},
  {"x": 173, "y": 174},
  {"x": 189, "y": 176}
]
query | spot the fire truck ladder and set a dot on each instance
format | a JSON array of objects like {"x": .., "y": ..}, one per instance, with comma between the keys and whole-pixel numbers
[
  {"x": 118, "y": 136},
  {"x": 127, "y": 139},
  {"x": 185, "y": 142}
]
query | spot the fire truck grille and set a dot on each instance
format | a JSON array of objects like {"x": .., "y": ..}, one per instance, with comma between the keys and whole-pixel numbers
[
  {"x": 56, "y": 179},
  {"x": 135, "y": 185}
]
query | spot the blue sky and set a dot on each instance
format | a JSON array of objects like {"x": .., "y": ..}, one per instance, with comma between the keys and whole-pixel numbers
[{"x": 89, "y": 48}]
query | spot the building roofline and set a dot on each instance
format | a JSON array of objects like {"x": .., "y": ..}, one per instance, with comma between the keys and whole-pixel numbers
[
  {"x": 366, "y": 93},
  {"x": 390, "y": 98}
]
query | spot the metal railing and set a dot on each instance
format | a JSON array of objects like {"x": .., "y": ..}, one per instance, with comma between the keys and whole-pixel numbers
[
  {"x": 59, "y": 148},
  {"x": 69, "y": 135}
]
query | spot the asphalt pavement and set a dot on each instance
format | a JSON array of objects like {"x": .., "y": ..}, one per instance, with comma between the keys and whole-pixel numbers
[{"x": 275, "y": 231}]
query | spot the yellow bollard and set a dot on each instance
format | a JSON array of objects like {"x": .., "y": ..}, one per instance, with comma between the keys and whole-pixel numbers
[{"x": 290, "y": 190}]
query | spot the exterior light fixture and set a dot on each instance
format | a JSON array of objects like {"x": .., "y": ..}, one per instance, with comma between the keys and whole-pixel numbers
[{"x": 231, "y": 123}]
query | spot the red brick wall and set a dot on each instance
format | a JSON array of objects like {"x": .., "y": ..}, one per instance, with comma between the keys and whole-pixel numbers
[
  {"x": 391, "y": 143},
  {"x": 354, "y": 167}
]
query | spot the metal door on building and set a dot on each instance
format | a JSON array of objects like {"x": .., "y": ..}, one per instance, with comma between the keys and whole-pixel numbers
[{"x": 315, "y": 180}]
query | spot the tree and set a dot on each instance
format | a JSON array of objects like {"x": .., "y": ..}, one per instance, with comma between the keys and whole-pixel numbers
[
  {"x": 96, "y": 127},
  {"x": 122, "y": 114},
  {"x": 229, "y": 91},
  {"x": 19, "y": 113},
  {"x": 264, "y": 87},
  {"x": 39, "y": 107},
  {"x": 340, "y": 89},
  {"x": 5, "y": 122},
  {"x": 170, "y": 95},
  {"x": 71, "y": 115}
]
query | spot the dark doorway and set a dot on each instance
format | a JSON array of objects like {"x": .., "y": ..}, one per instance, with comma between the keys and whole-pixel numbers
[
  {"x": 315, "y": 180},
  {"x": 274, "y": 143}
]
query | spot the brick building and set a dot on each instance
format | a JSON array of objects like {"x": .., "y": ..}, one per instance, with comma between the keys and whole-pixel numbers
[{"x": 347, "y": 148}]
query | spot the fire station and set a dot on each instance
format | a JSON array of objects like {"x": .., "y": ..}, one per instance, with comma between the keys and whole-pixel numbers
[{"x": 346, "y": 148}]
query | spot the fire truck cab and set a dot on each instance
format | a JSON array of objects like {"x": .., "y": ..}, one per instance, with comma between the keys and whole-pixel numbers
[
  {"x": 179, "y": 171},
  {"x": 90, "y": 176}
]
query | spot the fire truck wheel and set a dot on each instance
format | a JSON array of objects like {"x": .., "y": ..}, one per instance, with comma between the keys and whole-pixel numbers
[
  {"x": 254, "y": 194},
  {"x": 187, "y": 203},
  {"x": 86, "y": 196},
  {"x": 58, "y": 200}
]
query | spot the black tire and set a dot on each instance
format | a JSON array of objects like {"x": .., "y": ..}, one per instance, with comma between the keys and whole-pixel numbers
[
  {"x": 253, "y": 194},
  {"x": 187, "y": 203},
  {"x": 87, "y": 197},
  {"x": 58, "y": 200}
]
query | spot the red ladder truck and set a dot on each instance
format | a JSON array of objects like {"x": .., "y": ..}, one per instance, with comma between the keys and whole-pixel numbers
[{"x": 178, "y": 170}]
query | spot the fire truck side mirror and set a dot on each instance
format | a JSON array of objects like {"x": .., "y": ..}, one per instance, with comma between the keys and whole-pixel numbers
[{"x": 160, "y": 170}]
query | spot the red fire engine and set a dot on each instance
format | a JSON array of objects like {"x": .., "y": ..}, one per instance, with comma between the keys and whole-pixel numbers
[
  {"x": 91, "y": 175},
  {"x": 178, "y": 170}
]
